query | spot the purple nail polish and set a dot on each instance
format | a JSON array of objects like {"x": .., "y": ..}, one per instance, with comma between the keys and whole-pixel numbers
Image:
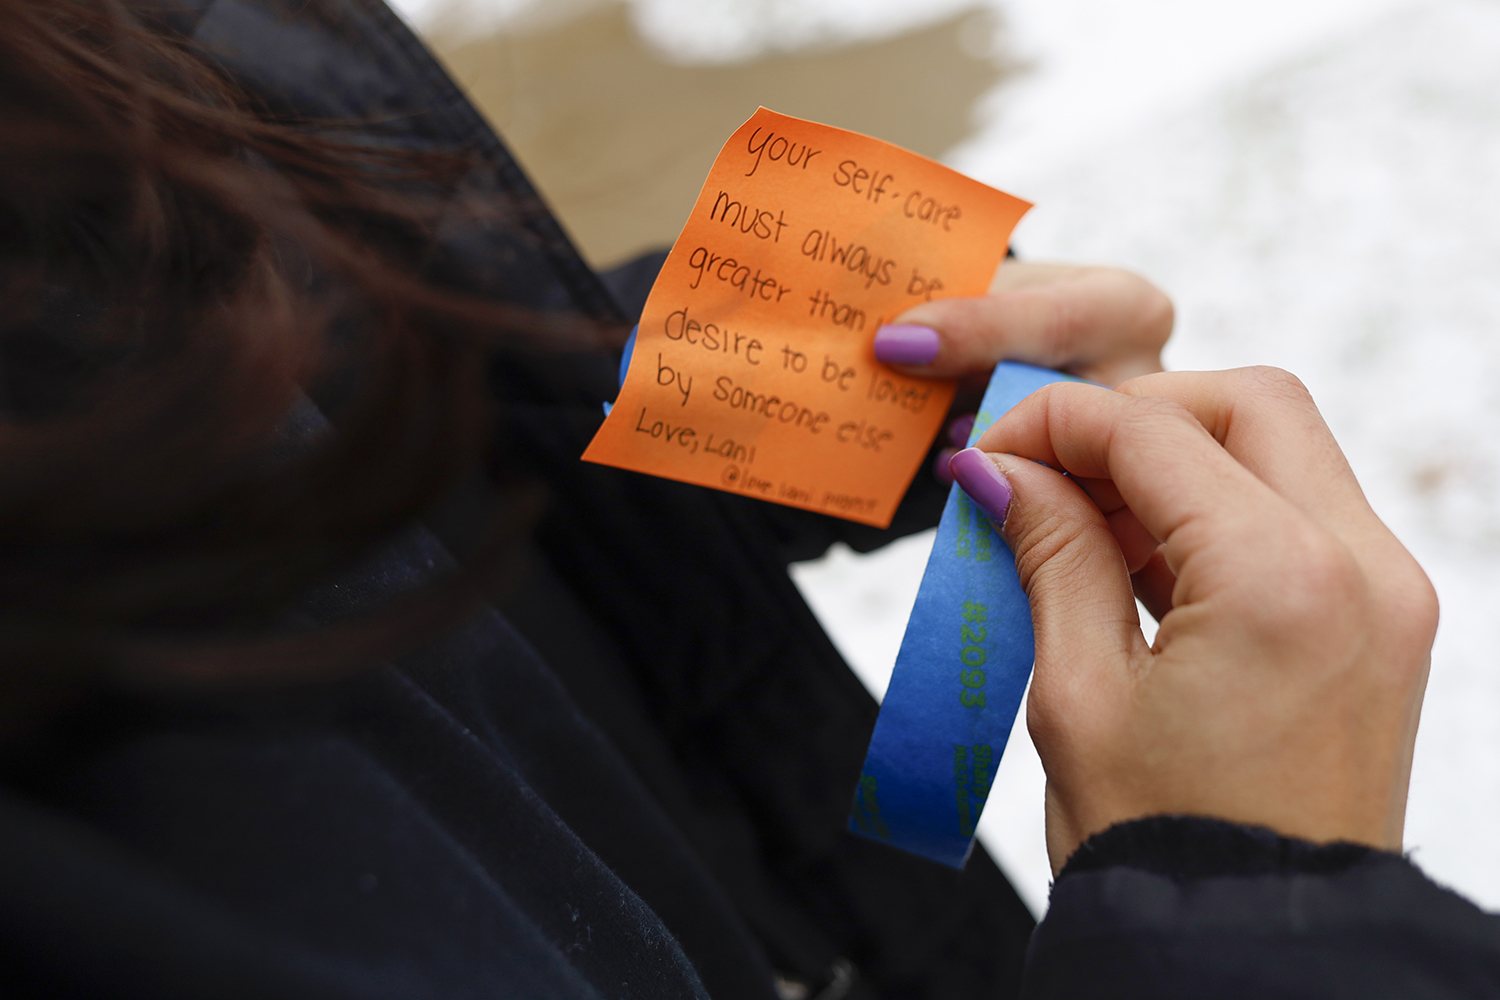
[
  {"x": 906, "y": 345},
  {"x": 959, "y": 432},
  {"x": 940, "y": 466},
  {"x": 983, "y": 481}
]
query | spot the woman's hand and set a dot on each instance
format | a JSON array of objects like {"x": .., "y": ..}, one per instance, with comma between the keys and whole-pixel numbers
[
  {"x": 1286, "y": 679},
  {"x": 1103, "y": 324}
]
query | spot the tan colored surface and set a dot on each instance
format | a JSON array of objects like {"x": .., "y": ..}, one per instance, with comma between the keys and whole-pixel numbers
[{"x": 619, "y": 140}]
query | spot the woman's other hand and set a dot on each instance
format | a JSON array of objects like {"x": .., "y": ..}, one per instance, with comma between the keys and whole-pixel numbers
[
  {"x": 1286, "y": 679},
  {"x": 1100, "y": 323}
]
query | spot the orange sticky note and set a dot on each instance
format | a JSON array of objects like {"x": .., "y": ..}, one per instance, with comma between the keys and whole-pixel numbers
[{"x": 754, "y": 369}]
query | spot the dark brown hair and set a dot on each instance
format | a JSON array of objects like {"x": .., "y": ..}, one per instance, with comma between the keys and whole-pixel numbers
[{"x": 175, "y": 266}]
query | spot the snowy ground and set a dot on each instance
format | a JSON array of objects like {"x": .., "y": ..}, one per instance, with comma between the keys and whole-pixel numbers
[{"x": 1317, "y": 183}]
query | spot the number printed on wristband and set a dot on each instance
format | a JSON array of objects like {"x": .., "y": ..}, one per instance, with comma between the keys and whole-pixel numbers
[{"x": 972, "y": 655}]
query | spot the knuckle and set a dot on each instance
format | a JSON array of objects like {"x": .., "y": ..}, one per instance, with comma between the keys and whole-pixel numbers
[
  {"x": 1141, "y": 385},
  {"x": 1160, "y": 407},
  {"x": 1142, "y": 311},
  {"x": 1411, "y": 607},
  {"x": 1146, "y": 414},
  {"x": 1330, "y": 569},
  {"x": 1427, "y": 610},
  {"x": 1277, "y": 384},
  {"x": 1052, "y": 544},
  {"x": 1063, "y": 326},
  {"x": 1158, "y": 315},
  {"x": 1326, "y": 601}
]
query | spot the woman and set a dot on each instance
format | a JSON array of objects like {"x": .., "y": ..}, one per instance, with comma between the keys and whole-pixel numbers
[
  {"x": 264, "y": 734},
  {"x": 263, "y": 737}
]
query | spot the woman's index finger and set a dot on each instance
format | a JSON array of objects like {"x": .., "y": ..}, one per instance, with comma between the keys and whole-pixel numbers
[
  {"x": 1167, "y": 468},
  {"x": 1267, "y": 421}
]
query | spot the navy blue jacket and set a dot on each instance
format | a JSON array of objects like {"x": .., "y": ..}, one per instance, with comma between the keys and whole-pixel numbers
[
  {"x": 630, "y": 780},
  {"x": 1182, "y": 907}
]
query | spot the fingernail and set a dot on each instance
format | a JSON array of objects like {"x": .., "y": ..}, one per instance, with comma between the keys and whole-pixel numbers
[
  {"x": 978, "y": 476},
  {"x": 940, "y": 466},
  {"x": 906, "y": 345},
  {"x": 960, "y": 431}
]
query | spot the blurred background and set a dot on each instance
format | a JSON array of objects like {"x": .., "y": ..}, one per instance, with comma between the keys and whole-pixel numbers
[{"x": 1315, "y": 182}]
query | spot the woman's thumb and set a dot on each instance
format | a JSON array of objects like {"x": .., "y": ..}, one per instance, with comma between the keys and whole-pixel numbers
[{"x": 1082, "y": 606}]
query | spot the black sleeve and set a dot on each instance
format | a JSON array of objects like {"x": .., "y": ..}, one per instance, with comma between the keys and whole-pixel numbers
[{"x": 1186, "y": 907}]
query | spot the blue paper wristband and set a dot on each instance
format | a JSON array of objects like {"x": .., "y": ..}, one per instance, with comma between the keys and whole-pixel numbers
[
  {"x": 625, "y": 356},
  {"x": 959, "y": 677}
]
